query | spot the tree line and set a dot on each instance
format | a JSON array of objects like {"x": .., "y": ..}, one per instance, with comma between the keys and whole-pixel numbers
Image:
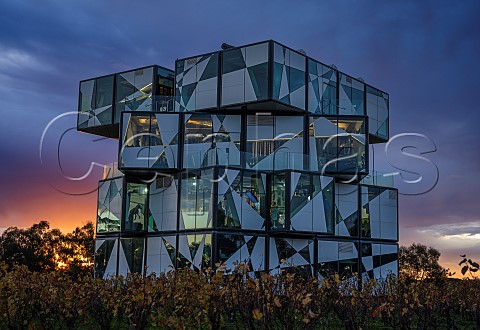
[{"x": 41, "y": 249}]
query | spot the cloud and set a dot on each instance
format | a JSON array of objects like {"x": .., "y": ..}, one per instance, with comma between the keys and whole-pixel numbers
[
  {"x": 465, "y": 230},
  {"x": 11, "y": 58}
]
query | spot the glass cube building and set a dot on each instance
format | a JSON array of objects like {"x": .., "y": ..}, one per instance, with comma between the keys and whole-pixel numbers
[{"x": 256, "y": 154}]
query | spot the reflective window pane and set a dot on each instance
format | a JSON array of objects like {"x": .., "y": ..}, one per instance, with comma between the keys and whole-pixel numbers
[
  {"x": 377, "y": 111},
  {"x": 134, "y": 91},
  {"x": 252, "y": 190},
  {"x": 274, "y": 142},
  {"x": 163, "y": 199},
  {"x": 346, "y": 213},
  {"x": 226, "y": 139},
  {"x": 351, "y": 146},
  {"x": 278, "y": 215},
  {"x": 136, "y": 199},
  {"x": 110, "y": 194},
  {"x": 351, "y": 99},
  {"x": 337, "y": 145},
  {"x": 245, "y": 74},
  {"x": 323, "y": 144},
  {"x": 379, "y": 212},
  {"x": 131, "y": 256},
  {"x": 196, "y": 80},
  {"x": 291, "y": 255},
  {"x": 198, "y": 144},
  {"x": 289, "y": 76},
  {"x": 196, "y": 200},
  {"x": 311, "y": 207},
  {"x": 164, "y": 133},
  {"x": 135, "y": 149},
  {"x": 195, "y": 250},
  {"x": 322, "y": 88},
  {"x": 95, "y": 104},
  {"x": 161, "y": 254},
  {"x": 105, "y": 258},
  {"x": 149, "y": 141}
]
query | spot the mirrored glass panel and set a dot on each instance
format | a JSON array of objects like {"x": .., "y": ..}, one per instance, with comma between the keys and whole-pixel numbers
[
  {"x": 351, "y": 141},
  {"x": 337, "y": 145},
  {"x": 136, "y": 200},
  {"x": 327, "y": 260},
  {"x": 274, "y": 142},
  {"x": 378, "y": 112},
  {"x": 131, "y": 256},
  {"x": 196, "y": 200},
  {"x": 379, "y": 260},
  {"x": 253, "y": 192},
  {"x": 323, "y": 144},
  {"x": 134, "y": 91},
  {"x": 291, "y": 255},
  {"x": 229, "y": 210},
  {"x": 311, "y": 203},
  {"x": 245, "y": 74},
  {"x": 351, "y": 96},
  {"x": 195, "y": 250},
  {"x": 161, "y": 254},
  {"x": 149, "y": 141},
  {"x": 106, "y": 257},
  {"x": 199, "y": 146},
  {"x": 226, "y": 139},
  {"x": 322, "y": 88},
  {"x": 379, "y": 212},
  {"x": 233, "y": 249},
  {"x": 346, "y": 209},
  {"x": 196, "y": 80},
  {"x": 337, "y": 257},
  {"x": 135, "y": 149},
  {"x": 289, "y": 76},
  {"x": 95, "y": 103},
  {"x": 347, "y": 259},
  {"x": 241, "y": 199},
  {"x": 109, "y": 215},
  {"x": 164, "y": 137},
  {"x": 278, "y": 216},
  {"x": 163, "y": 95},
  {"x": 163, "y": 200}
]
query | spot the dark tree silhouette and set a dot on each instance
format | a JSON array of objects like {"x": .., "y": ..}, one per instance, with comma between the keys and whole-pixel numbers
[
  {"x": 76, "y": 251},
  {"x": 419, "y": 262},
  {"x": 34, "y": 247},
  {"x": 40, "y": 248}
]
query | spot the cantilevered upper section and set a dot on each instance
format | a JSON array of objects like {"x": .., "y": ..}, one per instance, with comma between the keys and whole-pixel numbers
[
  {"x": 261, "y": 77},
  {"x": 103, "y": 99}
]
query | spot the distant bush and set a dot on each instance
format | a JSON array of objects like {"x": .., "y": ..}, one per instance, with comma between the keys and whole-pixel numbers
[
  {"x": 42, "y": 249},
  {"x": 185, "y": 299}
]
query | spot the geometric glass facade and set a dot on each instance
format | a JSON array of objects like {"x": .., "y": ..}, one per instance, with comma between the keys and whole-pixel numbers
[{"x": 254, "y": 154}]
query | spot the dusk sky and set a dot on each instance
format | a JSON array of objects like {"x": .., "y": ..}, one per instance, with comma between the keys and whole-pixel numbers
[{"x": 425, "y": 54}]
